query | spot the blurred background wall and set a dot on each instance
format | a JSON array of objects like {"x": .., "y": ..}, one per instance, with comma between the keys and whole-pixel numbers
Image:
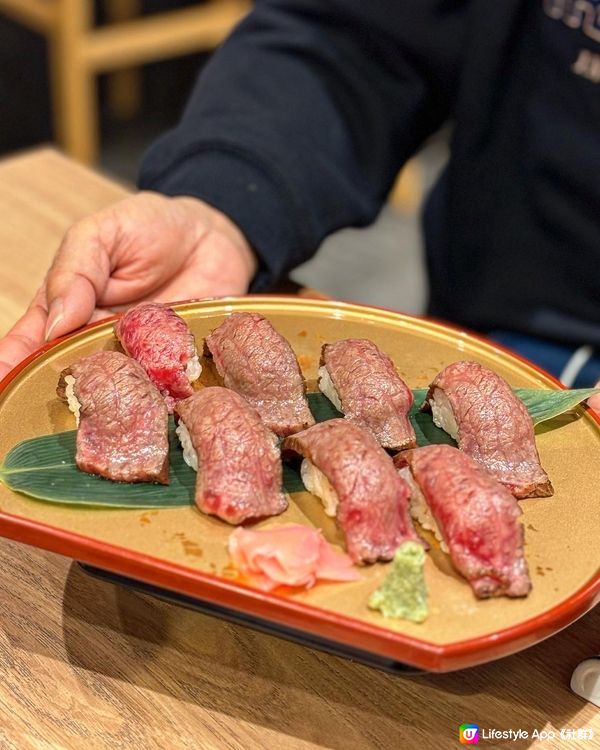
[{"x": 344, "y": 267}]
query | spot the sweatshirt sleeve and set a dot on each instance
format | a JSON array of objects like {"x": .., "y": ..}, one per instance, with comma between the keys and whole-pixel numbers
[{"x": 300, "y": 122}]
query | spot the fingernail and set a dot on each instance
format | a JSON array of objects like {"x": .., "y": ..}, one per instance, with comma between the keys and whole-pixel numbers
[{"x": 55, "y": 315}]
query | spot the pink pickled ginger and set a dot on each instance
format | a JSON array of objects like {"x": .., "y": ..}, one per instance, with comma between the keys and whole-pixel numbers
[{"x": 287, "y": 555}]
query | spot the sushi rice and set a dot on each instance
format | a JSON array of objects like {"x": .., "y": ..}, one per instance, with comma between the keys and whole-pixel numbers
[
  {"x": 72, "y": 400},
  {"x": 193, "y": 368},
  {"x": 189, "y": 452},
  {"x": 317, "y": 484},
  {"x": 442, "y": 413},
  {"x": 419, "y": 509},
  {"x": 327, "y": 388}
]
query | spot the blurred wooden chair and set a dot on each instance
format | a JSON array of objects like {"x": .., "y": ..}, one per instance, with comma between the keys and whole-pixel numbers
[
  {"x": 79, "y": 52},
  {"x": 407, "y": 193}
]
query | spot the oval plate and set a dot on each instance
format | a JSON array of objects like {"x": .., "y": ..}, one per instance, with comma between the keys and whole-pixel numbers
[{"x": 184, "y": 551}]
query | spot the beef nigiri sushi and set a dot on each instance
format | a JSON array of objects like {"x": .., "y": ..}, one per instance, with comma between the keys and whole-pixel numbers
[
  {"x": 258, "y": 363},
  {"x": 361, "y": 381},
  {"x": 235, "y": 455},
  {"x": 491, "y": 424},
  {"x": 161, "y": 341},
  {"x": 473, "y": 515},
  {"x": 355, "y": 478},
  {"x": 122, "y": 418}
]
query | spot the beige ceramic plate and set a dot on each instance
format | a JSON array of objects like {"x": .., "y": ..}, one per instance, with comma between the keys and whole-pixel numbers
[{"x": 183, "y": 550}]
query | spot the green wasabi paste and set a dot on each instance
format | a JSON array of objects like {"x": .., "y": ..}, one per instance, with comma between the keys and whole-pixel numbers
[{"x": 403, "y": 593}]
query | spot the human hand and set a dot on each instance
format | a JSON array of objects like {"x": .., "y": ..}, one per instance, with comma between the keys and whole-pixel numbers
[{"x": 146, "y": 247}]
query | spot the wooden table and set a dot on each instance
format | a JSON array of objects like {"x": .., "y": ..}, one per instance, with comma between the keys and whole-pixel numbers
[{"x": 85, "y": 664}]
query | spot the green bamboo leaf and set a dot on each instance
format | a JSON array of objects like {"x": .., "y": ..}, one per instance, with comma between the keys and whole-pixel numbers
[
  {"x": 419, "y": 396},
  {"x": 44, "y": 467},
  {"x": 321, "y": 407},
  {"x": 292, "y": 481},
  {"x": 543, "y": 405},
  {"x": 426, "y": 431}
]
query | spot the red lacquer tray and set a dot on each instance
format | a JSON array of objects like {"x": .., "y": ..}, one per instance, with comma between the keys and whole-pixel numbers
[{"x": 179, "y": 551}]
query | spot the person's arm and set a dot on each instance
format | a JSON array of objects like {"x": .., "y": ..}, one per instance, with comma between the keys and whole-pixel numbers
[
  {"x": 301, "y": 121},
  {"x": 297, "y": 127}
]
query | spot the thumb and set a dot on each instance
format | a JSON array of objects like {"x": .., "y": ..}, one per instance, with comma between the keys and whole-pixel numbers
[
  {"x": 25, "y": 336},
  {"x": 594, "y": 401},
  {"x": 79, "y": 275}
]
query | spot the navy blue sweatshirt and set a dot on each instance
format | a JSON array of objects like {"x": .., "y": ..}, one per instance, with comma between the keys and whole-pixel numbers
[{"x": 300, "y": 122}]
